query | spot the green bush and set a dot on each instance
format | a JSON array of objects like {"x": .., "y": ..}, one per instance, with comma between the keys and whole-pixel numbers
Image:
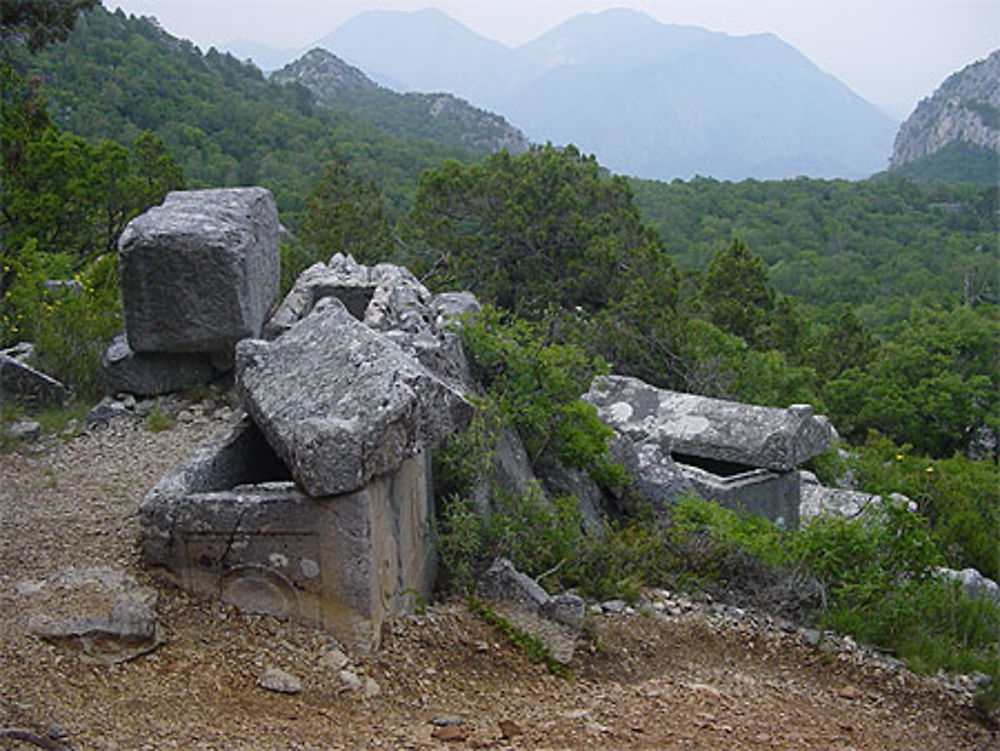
[
  {"x": 70, "y": 328},
  {"x": 547, "y": 540},
  {"x": 876, "y": 578},
  {"x": 537, "y": 534},
  {"x": 534, "y": 386},
  {"x": 959, "y": 497}
]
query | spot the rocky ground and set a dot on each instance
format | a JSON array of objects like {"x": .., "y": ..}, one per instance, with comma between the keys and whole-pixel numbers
[{"x": 679, "y": 677}]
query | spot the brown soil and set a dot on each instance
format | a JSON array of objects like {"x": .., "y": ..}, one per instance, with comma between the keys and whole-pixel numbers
[{"x": 691, "y": 682}]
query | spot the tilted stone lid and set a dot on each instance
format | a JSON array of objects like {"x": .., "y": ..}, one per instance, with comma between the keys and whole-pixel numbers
[{"x": 341, "y": 403}]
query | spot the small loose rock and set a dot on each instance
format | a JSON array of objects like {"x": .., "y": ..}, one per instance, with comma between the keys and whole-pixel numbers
[
  {"x": 350, "y": 680},
  {"x": 277, "y": 680}
]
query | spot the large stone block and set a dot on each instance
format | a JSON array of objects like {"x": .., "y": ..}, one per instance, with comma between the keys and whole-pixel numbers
[
  {"x": 555, "y": 621},
  {"x": 153, "y": 373},
  {"x": 231, "y": 523},
  {"x": 341, "y": 403},
  {"x": 696, "y": 426},
  {"x": 820, "y": 501},
  {"x": 201, "y": 271},
  {"x": 657, "y": 480},
  {"x": 390, "y": 300},
  {"x": 764, "y": 492}
]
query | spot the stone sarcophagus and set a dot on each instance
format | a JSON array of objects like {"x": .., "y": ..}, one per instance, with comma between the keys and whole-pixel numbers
[
  {"x": 317, "y": 505},
  {"x": 231, "y": 523},
  {"x": 741, "y": 455}
]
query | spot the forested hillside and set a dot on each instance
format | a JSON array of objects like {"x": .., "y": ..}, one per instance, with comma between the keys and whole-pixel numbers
[
  {"x": 882, "y": 244},
  {"x": 222, "y": 121},
  {"x": 439, "y": 116}
]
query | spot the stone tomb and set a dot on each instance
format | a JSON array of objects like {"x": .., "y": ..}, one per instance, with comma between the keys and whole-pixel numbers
[
  {"x": 317, "y": 505},
  {"x": 740, "y": 455},
  {"x": 198, "y": 273},
  {"x": 231, "y": 523}
]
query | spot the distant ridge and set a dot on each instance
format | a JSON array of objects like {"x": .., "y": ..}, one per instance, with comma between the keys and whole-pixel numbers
[
  {"x": 334, "y": 83},
  {"x": 649, "y": 99}
]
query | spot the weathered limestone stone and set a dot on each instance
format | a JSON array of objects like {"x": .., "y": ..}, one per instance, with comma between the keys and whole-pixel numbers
[
  {"x": 974, "y": 584},
  {"x": 153, "y": 373},
  {"x": 818, "y": 500},
  {"x": 742, "y": 456},
  {"x": 399, "y": 303},
  {"x": 20, "y": 381},
  {"x": 102, "y": 613},
  {"x": 400, "y": 295},
  {"x": 55, "y": 287},
  {"x": 352, "y": 287},
  {"x": 555, "y": 621},
  {"x": 559, "y": 480},
  {"x": 279, "y": 681},
  {"x": 231, "y": 523},
  {"x": 23, "y": 352},
  {"x": 23, "y": 430},
  {"x": 390, "y": 300},
  {"x": 725, "y": 431},
  {"x": 201, "y": 271},
  {"x": 511, "y": 473},
  {"x": 774, "y": 495},
  {"x": 342, "y": 404},
  {"x": 656, "y": 478}
]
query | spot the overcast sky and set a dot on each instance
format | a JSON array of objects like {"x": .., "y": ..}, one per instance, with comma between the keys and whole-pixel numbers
[{"x": 892, "y": 52}]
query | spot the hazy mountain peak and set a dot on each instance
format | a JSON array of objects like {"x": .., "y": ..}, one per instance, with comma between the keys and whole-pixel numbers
[
  {"x": 427, "y": 50},
  {"x": 649, "y": 99},
  {"x": 263, "y": 56},
  {"x": 325, "y": 74}
]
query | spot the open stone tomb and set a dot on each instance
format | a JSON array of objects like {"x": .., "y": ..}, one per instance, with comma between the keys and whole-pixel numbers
[
  {"x": 316, "y": 505},
  {"x": 740, "y": 455}
]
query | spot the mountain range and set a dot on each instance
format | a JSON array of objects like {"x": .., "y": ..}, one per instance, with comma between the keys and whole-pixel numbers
[
  {"x": 334, "y": 83},
  {"x": 649, "y": 99}
]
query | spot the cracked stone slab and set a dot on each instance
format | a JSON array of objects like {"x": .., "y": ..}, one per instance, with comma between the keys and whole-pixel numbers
[
  {"x": 390, "y": 300},
  {"x": 20, "y": 381},
  {"x": 555, "y": 621},
  {"x": 102, "y": 613},
  {"x": 755, "y": 436},
  {"x": 340, "y": 403}
]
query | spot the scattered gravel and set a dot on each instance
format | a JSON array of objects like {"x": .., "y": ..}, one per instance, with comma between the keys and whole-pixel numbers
[{"x": 666, "y": 673}]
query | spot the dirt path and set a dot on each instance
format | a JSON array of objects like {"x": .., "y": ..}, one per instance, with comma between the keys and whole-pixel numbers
[{"x": 687, "y": 682}]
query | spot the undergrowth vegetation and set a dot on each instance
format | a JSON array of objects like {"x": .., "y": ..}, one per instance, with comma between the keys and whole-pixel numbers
[{"x": 876, "y": 577}]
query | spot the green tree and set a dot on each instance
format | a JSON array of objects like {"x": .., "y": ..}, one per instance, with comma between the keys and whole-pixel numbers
[
  {"x": 737, "y": 294},
  {"x": 789, "y": 331},
  {"x": 38, "y": 23},
  {"x": 543, "y": 228},
  {"x": 847, "y": 343},
  {"x": 934, "y": 387},
  {"x": 345, "y": 214}
]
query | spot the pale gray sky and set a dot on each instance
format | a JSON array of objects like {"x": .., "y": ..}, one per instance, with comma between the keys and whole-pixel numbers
[{"x": 892, "y": 52}]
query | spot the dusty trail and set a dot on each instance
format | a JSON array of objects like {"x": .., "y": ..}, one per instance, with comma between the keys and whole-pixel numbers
[{"x": 687, "y": 682}]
